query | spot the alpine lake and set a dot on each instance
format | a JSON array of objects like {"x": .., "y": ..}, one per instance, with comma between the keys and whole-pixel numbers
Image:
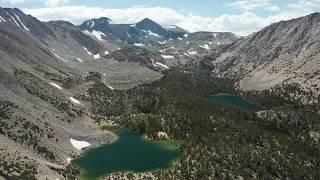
[
  {"x": 133, "y": 153},
  {"x": 130, "y": 153},
  {"x": 234, "y": 101}
]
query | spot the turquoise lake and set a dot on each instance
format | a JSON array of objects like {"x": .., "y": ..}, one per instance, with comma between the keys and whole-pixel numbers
[
  {"x": 234, "y": 101},
  {"x": 131, "y": 153}
]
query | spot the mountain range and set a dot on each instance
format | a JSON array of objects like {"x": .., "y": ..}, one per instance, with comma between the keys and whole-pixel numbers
[
  {"x": 48, "y": 68},
  {"x": 145, "y": 32}
]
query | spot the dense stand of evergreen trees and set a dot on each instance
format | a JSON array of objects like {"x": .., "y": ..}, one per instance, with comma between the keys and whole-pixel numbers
[{"x": 219, "y": 141}]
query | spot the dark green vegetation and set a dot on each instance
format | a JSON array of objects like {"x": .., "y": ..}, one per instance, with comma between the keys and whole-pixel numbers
[
  {"x": 281, "y": 97},
  {"x": 130, "y": 153},
  {"x": 219, "y": 141}
]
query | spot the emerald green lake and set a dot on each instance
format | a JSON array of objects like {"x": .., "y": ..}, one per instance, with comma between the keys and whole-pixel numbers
[
  {"x": 234, "y": 101},
  {"x": 131, "y": 153}
]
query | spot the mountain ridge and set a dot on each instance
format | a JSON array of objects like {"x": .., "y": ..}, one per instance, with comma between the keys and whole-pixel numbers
[
  {"x": 143, "y": 32},
  {"x": 282, "y": 53}
]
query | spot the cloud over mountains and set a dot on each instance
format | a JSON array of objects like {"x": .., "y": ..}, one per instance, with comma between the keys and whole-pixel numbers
[{"x": 244, "y": 19}]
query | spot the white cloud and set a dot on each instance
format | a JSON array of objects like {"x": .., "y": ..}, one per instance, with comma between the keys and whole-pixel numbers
[
  {"x": 242, "y": 24},
  {"x": 50, "y": 3},
  {"x": 273, "y": 8},
  {"x": 161, "y": 15},
  {"x": 13, "y": 1},
  {"x": 250, "y": 4},
  {"x": 286, "y": 16},
  {"x": 53, "y": 3},
  {"x": 306, "y": 5}
]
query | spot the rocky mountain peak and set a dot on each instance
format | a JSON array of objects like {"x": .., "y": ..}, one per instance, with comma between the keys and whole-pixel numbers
[
  {"x": 13, "y": 19},
  {"x": 13, "y": 16},
  {"x": 147, "y": 21},
  {"x": 149, "y": 25},
  {"x": 99, "y": 23},
  {"x": 102, "y": 20}
]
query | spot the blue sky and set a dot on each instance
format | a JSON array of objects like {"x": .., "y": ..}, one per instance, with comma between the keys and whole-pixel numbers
[
  {"x": 239, "y": 16},
  {"x": 203, "y": 7}
]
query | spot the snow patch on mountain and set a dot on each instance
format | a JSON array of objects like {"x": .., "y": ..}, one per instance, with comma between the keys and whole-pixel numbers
[
  {"x": 97, "y": 34},
  {"x": 56, "y": 85},
  {"x": 186, "y": 54},
  {"x": 80, "y": 60},
  {"x": 162, "y": 65},
  {"x": 206, "y": 46},
  {"x": 139, "y": 44},
  {"x": 153, "y": 34},
  {"x": 167, "y": 56},
  {"x": 87, "y": 51},
  {"x": 162, "y": 42},
  {"x": 74, "y": 100},
  {"x": 69, "y": 160},
  {"x": 2, "y": 19},
  {"x": 192, "y": 52},
  {"x": 97, "y": 56},
  {"x": 57, "y": 56},
  {"x": 24, "y": 27},
  {"x": 92, "y": 24},
  {"x": 14, "y": 20},
  {"x": 79, "y": 144},
  {"x": 110, "y": 87},
  {"x": 214, "y": 35}
]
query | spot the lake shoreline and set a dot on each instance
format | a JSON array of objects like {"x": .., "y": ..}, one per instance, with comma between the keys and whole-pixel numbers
[
  {"x": 234, "y": 101},
  {"x": 169, "y": 149}
]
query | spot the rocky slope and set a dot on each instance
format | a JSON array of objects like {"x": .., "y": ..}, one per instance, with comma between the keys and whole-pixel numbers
[
  {"x": 284, "y": 53},
  {"x": 46, "y": 71},
  {"x": 152, "y": 45},
  {"x": 40, "y": 112},
  {"x": 193, "y": 46}
]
